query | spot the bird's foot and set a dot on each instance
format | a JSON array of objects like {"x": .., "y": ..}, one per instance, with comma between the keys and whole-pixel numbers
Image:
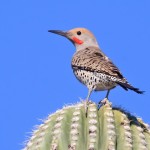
[{"x": 103, "y": 102}]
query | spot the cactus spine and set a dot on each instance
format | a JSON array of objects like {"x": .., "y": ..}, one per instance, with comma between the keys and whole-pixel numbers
[{"x": 105, "y": 129}]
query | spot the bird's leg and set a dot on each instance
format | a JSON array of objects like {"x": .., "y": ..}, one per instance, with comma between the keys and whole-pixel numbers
[
  {"x": 87, "y": 101},
  {"x": 104, "y": 101},
  {"x": 107, "y": 94}
]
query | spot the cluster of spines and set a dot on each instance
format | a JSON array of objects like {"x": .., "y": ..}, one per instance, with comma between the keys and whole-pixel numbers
[
  {"x": 107, "y": 127},
  {"x": 92, "y": 127},
  {"x": 75, "y": 128},
  {"x": 39, "y": 135}
]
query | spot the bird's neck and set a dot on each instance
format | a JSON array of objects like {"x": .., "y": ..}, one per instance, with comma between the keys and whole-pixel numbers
[{"x": 86, "y": 44}]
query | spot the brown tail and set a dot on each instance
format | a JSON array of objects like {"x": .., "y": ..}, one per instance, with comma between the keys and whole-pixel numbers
[{"x": 127, "y": 86}]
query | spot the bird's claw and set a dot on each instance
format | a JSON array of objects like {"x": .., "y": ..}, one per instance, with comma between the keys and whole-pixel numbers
[{"x": 103, "y": 102}]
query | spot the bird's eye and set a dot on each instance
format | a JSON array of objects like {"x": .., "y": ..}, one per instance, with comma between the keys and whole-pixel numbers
[{"x": 79, "y": 33}]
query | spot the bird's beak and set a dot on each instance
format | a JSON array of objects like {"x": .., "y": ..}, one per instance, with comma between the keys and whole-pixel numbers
[
  {"x": 59, "y": 32},
  {"x": 68, "y": 35}
]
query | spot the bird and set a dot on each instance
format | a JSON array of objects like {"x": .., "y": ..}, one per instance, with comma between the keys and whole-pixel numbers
[{"x": 91, "y": 66}]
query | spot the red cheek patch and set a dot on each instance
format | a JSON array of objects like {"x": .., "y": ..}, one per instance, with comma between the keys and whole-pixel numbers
[{"x": 76, "y": 40}]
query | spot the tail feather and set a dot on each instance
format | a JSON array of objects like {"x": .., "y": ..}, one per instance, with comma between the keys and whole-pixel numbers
[{"x": 127, "y": 86}]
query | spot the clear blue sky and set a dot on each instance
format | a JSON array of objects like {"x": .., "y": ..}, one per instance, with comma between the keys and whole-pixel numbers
[{"x": 36, "y": 77}]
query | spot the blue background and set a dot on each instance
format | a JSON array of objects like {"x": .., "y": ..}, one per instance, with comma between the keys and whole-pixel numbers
[{"x": 36, "y": 76}]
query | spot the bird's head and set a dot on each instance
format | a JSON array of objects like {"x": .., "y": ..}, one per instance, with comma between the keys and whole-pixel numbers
[{"x": 80, "y": 37}]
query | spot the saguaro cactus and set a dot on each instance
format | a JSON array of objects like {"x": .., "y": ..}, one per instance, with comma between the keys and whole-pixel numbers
[{"x": 106, "y": 128}]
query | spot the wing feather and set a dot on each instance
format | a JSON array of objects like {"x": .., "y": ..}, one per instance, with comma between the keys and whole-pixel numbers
[{"x": 92, "y": 59}]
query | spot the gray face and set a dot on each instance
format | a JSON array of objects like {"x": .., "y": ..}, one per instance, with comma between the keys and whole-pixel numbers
[{"x": 80, "y": 37}]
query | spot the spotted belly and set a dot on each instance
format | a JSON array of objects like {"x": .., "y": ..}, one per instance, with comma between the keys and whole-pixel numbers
[{"x": 95, "y": 81}]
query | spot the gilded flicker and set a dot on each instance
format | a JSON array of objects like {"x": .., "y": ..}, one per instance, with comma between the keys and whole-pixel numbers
[{"x": 91, "y": 66}]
